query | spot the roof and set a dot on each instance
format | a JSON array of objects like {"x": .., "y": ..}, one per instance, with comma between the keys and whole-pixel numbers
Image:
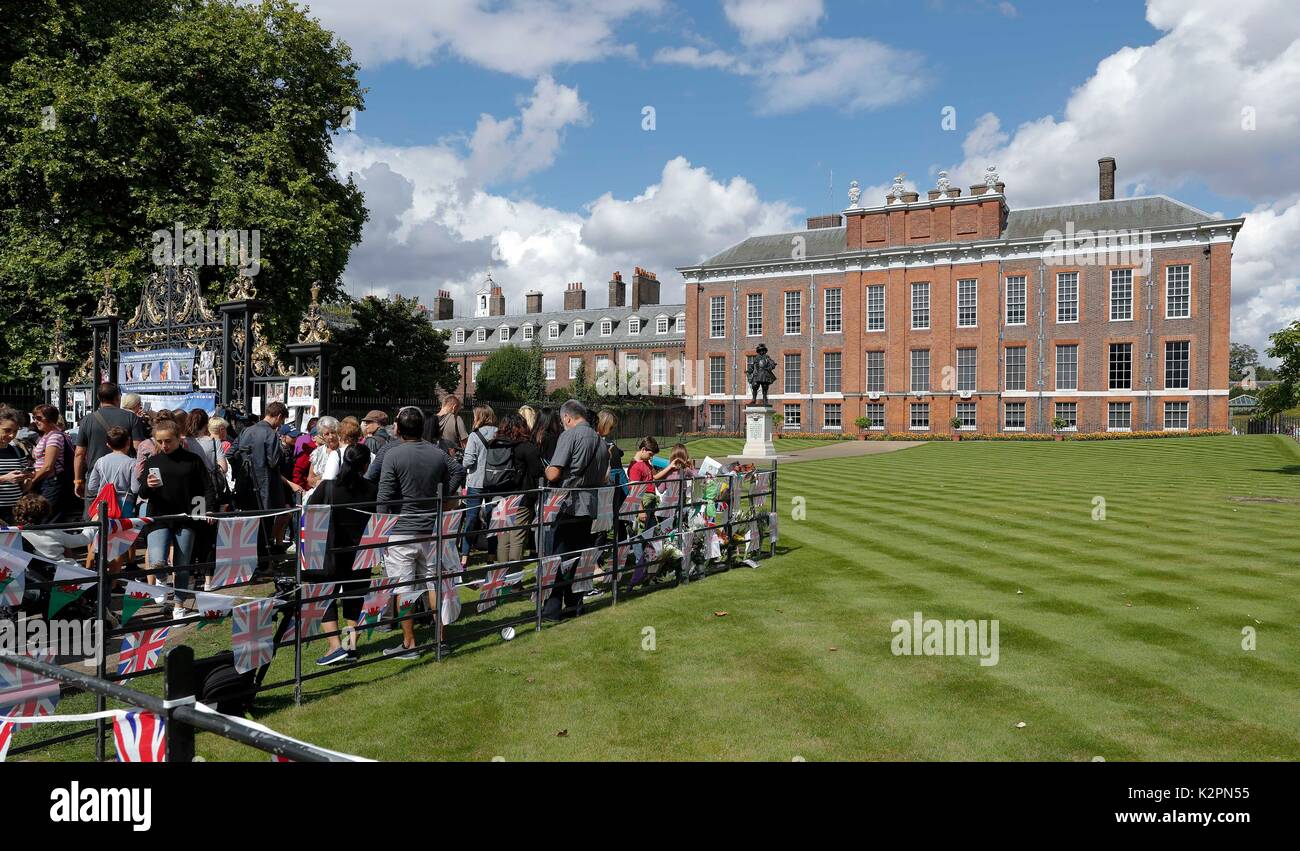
[
  {"x": 592, "y": 338},
  {"x": 1243, "y": 401},
  {"x": 1152, "y": 211}
]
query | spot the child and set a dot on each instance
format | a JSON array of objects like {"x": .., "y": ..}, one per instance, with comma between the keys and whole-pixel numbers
[
  {"x": 642, "y": 469},
  {"x": 116, "y": 468}
]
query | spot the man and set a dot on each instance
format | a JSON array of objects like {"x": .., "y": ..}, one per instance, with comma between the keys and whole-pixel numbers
[
  {"x": 375, "y": 427},
  {"x": 261, "y": 454},
  {"x": 580, "y": 462},
  {"x": 413, "y": 469},
  {"x": 176, "y": 482},
  {"x": 92, "y": 437},
  {"x": 133, "y": 403}
]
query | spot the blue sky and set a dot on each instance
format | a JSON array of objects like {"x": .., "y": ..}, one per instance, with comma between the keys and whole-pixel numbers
[{"x": 511, "y": 132}]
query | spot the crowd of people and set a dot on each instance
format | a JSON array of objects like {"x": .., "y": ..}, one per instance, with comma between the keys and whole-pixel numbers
[{"x": 181, "y": 467}]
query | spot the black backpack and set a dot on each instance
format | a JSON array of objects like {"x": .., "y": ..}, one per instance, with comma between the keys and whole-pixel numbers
[{"x": 500, "y": 473}]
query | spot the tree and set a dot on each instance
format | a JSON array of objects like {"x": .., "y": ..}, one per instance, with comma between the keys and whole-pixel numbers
[
  {"x": 122, "y": 118},
  {"x": 392, "y": 350},
  {"x": 508, "y": 375},
  {"x": 1240, "y": 356},
  {"x": 1276, "y": 398}
]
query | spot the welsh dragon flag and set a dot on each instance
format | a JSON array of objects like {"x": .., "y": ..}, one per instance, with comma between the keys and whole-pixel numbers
[
  {"x": 604, "y": 510},
  {"x": 69, "y": 584},
  {"x": 13, "y": 576},
  {"x": 212, "y": 608},
  {"x": 137, "y": 594},
  {"x": 379, "y": 528},
  {"x": 10, "y": 539},
  {"x": 375, "y": 604}
]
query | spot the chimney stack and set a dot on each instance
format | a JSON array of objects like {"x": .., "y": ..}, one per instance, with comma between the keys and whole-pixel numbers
[
  {"x": 575, "y": 297},
  {"x": 645, "y": 288},
  {"x": 532, "y": 302},
  {"x": 1106, "y": 179},
  {"x": 617, "y": 291},
  {"x": 496, "y": 302},
  {"x": 442, "y": 305},
  {"x": 833, "y": 220}
]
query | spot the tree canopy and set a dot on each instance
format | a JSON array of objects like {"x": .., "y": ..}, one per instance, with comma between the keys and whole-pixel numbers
[
  {"x": 1285, "y": 346},
  {"x": 392, "y": 350},
  {"x": 510, "y": 374},
  {"x": 120, "y": 118}
]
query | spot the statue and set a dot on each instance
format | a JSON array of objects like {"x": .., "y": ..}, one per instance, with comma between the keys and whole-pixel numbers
[
  {"x": 760, "y": 373},
  {"x": 855, "y": 192}
]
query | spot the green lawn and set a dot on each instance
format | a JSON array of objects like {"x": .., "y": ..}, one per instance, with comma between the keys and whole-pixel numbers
[{"x": 1119, "y": 638}]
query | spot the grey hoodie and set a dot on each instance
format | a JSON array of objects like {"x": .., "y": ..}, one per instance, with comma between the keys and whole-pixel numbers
[{"x": 474, "y": 457}]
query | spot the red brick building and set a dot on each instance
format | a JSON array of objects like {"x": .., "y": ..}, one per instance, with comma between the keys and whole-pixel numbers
[{"x": 1111, "y": 315}]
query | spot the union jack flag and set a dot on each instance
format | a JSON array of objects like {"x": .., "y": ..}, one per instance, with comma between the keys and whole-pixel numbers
[
  {"x": 449, "y": 605},
  {"x": 771, "y": 527},
  {"x": 10, "y": 539},
  {"x": 585, "y": 570},
  {"x": 316, "y": 599},
  {"x": 140, "y": 737},
  {"x": 503, "y": 514},
  {"x": 13, "y": 576},
  {"x": 378, "y": 529},
  {"x": 140, "y": 650},
  {"x": 551, "y": 506},
  {"x": 236, "y": 551},
  {"x": 315, "y": 537},
  {"x": 621, "y": 552},
  {"x": 121, "y": 535},
  {"x": 604, "y": 511},
  {"x": 252, "y": 637},
  {"x": 6, "y": 738},
  {"x": 758, "y": 493},
  {"x": 491, "y": 588},
  {"x": 24, "y": 693},
  {"x": 448, "y": 553},
  {"x": 672, "y": 493},
  {"x": 376, "y": 602},
  {"x": 547, "y": 569}
]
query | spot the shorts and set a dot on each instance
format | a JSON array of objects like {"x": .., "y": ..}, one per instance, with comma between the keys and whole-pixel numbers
[{"x": 411, "y": 563}]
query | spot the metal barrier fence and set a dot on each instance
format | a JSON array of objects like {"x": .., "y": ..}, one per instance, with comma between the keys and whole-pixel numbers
[{"x": 685, "y": 517}]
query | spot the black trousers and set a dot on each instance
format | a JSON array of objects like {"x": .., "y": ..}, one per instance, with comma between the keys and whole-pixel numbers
[{"x": 572, "y": 535}]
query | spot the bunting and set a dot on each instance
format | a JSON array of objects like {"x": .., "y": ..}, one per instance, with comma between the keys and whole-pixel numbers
[
  {"x": 586, "y": 569},
  {"x": 252, "y": 636},
  {"x": 137, "y": 594},
  {"x": 315, "y": 537},
  {"x": 236, "y": 551},
  {"x": 121, "y": 535},
  {"x": 490, "y": 590},
  {"x": 316, "y": 599},
  {"x": 604, "y": 510},
  {"x": 771, "y": 527},
  {"x": 23, "y": 693},
  {"x": 505, "y": 511},
  {"x": 140, "y": 737},
  {"x": 212, "y": 608},
  {"x": 547, "y": 569},
  {"x": 379, "y": 528},
  {"x": 375, "y": 604},
  {"x": 448, "y": 551},
  {"x": 10, "y": 539},
  {"x": 141, "y": 650},
  {"x": 67, "y": 586},
  {"x": 13, "y": 576},
  {"x": 552, "y": 504},
  {"x": 672, "y": 493},
  {"x": 449, "y": 600}
]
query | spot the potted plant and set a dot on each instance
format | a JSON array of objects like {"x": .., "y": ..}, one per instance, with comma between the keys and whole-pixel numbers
[
  {"x": 1058, "y": 425},
  {"x": 777, "y": 421},
  {"x": 863, "y": 423},
  {"x": 955, "y": 422}
]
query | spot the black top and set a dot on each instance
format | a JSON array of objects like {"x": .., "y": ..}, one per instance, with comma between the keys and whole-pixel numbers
[
  {"x": 346, "y": 524},
  {"x": 184, "y": 477},
  {"x": 92, "y": 433}
]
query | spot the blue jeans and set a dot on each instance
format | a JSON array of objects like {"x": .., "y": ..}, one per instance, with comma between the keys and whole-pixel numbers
[
  {"x": 160, "y": 539},
  {"x": 475, "y": 505}
]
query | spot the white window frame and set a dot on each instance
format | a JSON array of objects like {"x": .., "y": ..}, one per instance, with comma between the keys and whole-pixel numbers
[
  {"x": 713, "y": 360},
  {"x": 1113, "y": 407},
  {"x": 972, "y": 354},
  {"x": 839, "y": 372},
  {"x": 1021, "y": 302},
  {"x": 792, "y": 302},
  {"x": 962, "y": 409},
  {"x": 838, "y": 408},
  {"x": 751, "y": 328},
  {"x": 661, "y": 324},
  {"x": 579, "y": 329},
  {"x": 717, "y": 317},
  {"x": 473, "y": 370},
  {"x": 873, "y": 311},
  {"x": 1060, "y": 349},
  {"x": 1073, "y": 304},
  {"x": 1056, "y": 412},
  {"x": 1186, "y": 415},
  {"x": 1187, "y": 365},
  {"x": 1024, "y": 363},
  {"x": 503, "y": 334},
  {"x": 787, "y": 373},
  {"x": 913, "y": 409},
  {"x": 480, "y": 335},
  {"x": 634, "y": 325},
  {"x": 549, "y": 365},
  {"x": 870, "y": 412},
  {"x": 553, "y": 331},
  {"x": 833, "y": 319},
  {"x": 792, "y": 422},
  {"x": 680, "y": 326},
  {"x": 658, "y": 369},
  {"x": 921, "y": 293},
  {"x": 460, "y": 336},
  {"x": 869, "y": 372},
  {"x": 972, "y": 306},
  {"x": 574, "y": 365},
  {"x": 1117, "y": 279},
  {"x": 1023, "y": 408},
  {"x": 1187, "y": 294},
  {"x": 528, "y": 332},
  {"x": 914, "y": 372}
]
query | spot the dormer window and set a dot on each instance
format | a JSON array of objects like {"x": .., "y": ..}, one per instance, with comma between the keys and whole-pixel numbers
[
  {"x": 661, "y": 324},
  {"x": 579, "y": 328},
  {"x": 681, "y": 323},
  {"x": 528, "y": 332},
  {"x": 606, "y": 327},
  {"x": 460, "y": 336},
  {"x": 634, "y": 325},
  {"x": 553, "y": 331},
  {"x": 503, "y": 334},
  {"x": 480, "y": 335}
]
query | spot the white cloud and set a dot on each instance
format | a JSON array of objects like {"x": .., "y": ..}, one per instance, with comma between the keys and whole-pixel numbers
[
  {"x": 852, "y": 74},
  {"x": 1174, "y": 114},
  {"x": 762, "y": 21},
  {"x": 434, "y": 224},
  {"x": 521, "y": 37}
]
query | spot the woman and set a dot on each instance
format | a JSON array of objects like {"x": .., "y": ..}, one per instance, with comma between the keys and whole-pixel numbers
[
  {"x": 50, "y": 458},
  {"x": 327, "y": 443},
  {"x": 546, "y": 432},
  {"x": 15, "y": 463},
  {"x": 529, "y": 413},
  {"x": 447, "y": 429},
  {"x": 513, "y": 431},
  {"x": 346, "y": 527},
  {"x": 606, "y": 423},
  {"x": 475, "y": 461}
]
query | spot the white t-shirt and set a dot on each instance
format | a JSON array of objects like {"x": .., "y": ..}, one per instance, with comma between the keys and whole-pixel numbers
[{"x": 325, "y": 461}]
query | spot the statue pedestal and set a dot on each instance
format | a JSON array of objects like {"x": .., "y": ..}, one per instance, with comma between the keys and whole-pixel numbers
[{"x": 758, "y": 433}]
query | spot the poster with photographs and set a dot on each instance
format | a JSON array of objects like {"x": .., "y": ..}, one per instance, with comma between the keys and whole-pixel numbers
[
  {"x": 277, "y": 392},
  {"x": 302, "y": 392},
  {"x": 157, "y": 371}
]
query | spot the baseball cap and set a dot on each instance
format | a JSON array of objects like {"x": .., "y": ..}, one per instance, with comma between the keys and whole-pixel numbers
[
  {"x": 289, "y": 430},
  {"x": 375, "y": 417}
]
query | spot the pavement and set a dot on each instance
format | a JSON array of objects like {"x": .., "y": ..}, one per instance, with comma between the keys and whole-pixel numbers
[{"x": 845, "y": 449}]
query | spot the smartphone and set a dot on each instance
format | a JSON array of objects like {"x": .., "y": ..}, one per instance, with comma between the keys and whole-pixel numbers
[{"x": 156, "y": 473}]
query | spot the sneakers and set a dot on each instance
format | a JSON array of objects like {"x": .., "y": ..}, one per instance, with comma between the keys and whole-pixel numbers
[
  {"x": 179, "y": 613},
  {"x": 401, "y": 652},
  {"x": 334, "y": 656}
]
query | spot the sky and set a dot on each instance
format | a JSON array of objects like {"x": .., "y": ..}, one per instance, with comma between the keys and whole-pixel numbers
[{"x": 561, "y": 140}]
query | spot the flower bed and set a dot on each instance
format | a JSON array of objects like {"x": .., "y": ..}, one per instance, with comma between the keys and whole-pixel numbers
[{"x": 1037, "y": 437}]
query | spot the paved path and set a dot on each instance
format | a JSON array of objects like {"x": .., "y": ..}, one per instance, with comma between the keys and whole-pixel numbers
[{"x": 846, "y": 449}]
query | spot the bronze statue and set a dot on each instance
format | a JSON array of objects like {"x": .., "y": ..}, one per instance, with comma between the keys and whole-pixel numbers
[{"x": 760, "y": 373}]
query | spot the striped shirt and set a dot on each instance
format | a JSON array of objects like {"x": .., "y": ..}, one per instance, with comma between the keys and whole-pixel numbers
[
  {"x": 51, "y": 438},
  {"x": 11, "y": 458}
]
